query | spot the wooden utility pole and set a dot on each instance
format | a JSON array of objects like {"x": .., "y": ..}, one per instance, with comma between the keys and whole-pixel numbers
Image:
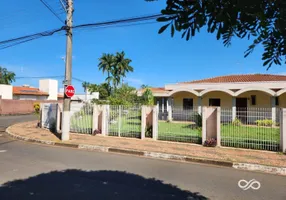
[{"x": 68, "y": 72}]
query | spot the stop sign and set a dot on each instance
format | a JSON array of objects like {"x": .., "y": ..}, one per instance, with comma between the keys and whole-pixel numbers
[{"x": 69, "y": 91}]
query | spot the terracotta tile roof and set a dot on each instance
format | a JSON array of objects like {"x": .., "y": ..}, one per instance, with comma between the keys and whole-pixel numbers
[
  {"x": 19, "y": 90},
  {"x": 155, "y": 90},
  {"x": 242, "y": 78}
]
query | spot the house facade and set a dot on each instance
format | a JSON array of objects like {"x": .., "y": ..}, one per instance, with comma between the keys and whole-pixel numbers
[{"x": 238, "y": 92}]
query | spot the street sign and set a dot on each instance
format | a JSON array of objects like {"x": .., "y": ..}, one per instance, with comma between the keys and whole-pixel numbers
[{"x": 69, "y": 91}]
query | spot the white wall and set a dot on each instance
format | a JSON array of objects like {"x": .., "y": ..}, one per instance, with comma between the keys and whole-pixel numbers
[
  {"x": 6, "y": 91},
  {"x": 50, "y": 86},
  {"x": 29, "y": 97},
  {"x": 94, "y": 95}
]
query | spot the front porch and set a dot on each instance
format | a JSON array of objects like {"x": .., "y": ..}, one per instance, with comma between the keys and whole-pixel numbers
[{"x": 246, "y": 105}]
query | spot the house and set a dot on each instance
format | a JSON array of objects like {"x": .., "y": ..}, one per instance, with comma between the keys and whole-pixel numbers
[
  {"x": 88, "y": 97},
  {"x": 236, "y": 92},
  {"x": 48, "y": 90}
]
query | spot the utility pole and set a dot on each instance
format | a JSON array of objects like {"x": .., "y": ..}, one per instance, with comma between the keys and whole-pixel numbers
[{"x": 68, "y": 73}]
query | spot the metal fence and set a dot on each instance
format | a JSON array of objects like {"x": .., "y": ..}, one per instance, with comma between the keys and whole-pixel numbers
[
  {"x": 185, "y": 126},
  {"x": 81, "y": 118},
  {"x": 124, "y": 121},
  {"x": 252, "y": 128}
]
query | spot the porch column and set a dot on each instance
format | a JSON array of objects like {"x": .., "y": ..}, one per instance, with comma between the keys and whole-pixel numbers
[
  {"x": 273, "y": 109},
  {"x": 233, "y": 108},
  {"x": 163, "y": 104},
  {"x": 169, "y": 108},
  {"x": 200, "y": 105}
]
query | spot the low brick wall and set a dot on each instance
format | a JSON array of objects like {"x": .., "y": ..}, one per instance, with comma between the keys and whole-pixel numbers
[{"x": 19, "y": 107}]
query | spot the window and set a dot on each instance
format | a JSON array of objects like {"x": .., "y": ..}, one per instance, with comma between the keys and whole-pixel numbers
[
  {"x": 253, "y": 100},
  {"x": 187, "y": 104},
  {"x": 277, "y": 101},
  {"x": 214, "y": 102}
]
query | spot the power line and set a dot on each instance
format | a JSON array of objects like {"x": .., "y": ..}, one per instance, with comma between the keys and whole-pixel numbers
[
  {"x": 37, "y": 77},
  {"x": 52, "y": 10},
  {"x": 114, "y": 23}
]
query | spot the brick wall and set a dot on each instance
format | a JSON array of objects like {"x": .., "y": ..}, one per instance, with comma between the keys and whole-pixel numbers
[{"x": 17, "y": 107}]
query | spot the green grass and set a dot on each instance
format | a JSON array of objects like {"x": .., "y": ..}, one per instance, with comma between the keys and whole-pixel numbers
[
  {"x": 254, "y": 137},
  {"x": 81, "y": 124},
  {"x": 179, "y": 132}
]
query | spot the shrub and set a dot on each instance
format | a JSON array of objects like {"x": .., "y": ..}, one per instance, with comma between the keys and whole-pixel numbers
[
  {"x": 199, "y": 120},
  {"x": 149, "y": 131},
  {"x": 210, "y": 142},
  {"x": 237, "y": 122},
  {"x": 37, "y": 112},
  {"x": 265, "y": 122}
]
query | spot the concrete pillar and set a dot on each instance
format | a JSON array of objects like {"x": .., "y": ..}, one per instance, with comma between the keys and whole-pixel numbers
[
  {"x": 163, "y": 105},
  {"x": 169, "y": 109},
  {"x": 233, "y": 108},
  {"x": 104, "y": 121},
  {"x": 143, "y": 122},
  {"x": 273, "y": 109},
  {"x": 59, "y": 111},
  {"x": 283, "y": 130},
  {"x": 200, "y": 105},
  {"x": 218, "y": 135},
  {"x": 204, "y": 124},
  {"x": 95, "y": 117},
  {"x": 155, "y": 123}
]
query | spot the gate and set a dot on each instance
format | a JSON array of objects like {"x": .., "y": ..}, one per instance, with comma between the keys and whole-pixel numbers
[{"x": 124, "y": 121}]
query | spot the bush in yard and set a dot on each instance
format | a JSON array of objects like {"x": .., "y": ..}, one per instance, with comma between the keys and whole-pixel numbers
[
  {"x": 37, "y": 112},
  {"x": 264, "y": 122},
  {"x": 237, "y": 122},
  {"x": 149, "y": 131},
  {"x": 210, "y": 142}
]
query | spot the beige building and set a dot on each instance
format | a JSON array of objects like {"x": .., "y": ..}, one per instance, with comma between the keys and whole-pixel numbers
[{"x": 239, "y": 92}]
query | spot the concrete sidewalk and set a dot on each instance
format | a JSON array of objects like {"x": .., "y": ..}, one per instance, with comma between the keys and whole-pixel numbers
[{"x": 238, "y": 158}]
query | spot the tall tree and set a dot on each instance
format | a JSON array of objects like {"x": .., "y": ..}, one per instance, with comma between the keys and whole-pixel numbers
[
  {"x": 122, "y": 65},
  {"x": 6, "y": 77},
  {"x": 106, "y": 64},
  {"x": 144, "y": 86},
  {"x": 264, "y": 21}
]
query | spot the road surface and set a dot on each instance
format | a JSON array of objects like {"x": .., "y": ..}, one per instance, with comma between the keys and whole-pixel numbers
[{"x": 32, "y": 171}]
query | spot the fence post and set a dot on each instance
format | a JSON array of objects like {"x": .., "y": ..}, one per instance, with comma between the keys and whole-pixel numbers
[
  {"x": 218, "y": 136},
  {"x": 204, "y": 125},
  {"x": 41, "y": 115},
  {"x": 233, "y": 108},
  {"x": 119, "y": 119},
  {"x": 155, "y": 123},
  {"x": 273, "y": 110},
  {"x": 104, "y": 121},
  {"x": 95, "y": 118},
  {"x": 283, "y": 130},
  {"x": 143, "y": 121}
]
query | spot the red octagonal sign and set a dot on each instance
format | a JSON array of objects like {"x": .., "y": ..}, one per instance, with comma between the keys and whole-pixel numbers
[{"x": 69, "y": 91}]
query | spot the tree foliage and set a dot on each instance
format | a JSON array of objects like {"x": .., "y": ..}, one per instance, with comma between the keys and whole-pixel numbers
[
  {"x": 264, "y": 21},
  {"x": 116, "y": 66},
  {"x": 124, "y": 95},
  {"x": 85, "y": 85},
  {"x": 6, "y": 77},
  {"x": 102, "y": 89},
  {"x": 147, "y": 97}
]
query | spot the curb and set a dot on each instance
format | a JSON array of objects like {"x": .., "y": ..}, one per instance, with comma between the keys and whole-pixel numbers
[{"x": 157, "y": 155}]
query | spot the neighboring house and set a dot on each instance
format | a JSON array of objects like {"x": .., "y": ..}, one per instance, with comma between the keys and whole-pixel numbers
[
  {"x": 239, "y": 92},
  {"x": 48, "y": 90}
]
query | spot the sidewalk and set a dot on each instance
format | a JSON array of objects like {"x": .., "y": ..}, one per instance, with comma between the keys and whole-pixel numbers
[{"x": 29, "y": 130}]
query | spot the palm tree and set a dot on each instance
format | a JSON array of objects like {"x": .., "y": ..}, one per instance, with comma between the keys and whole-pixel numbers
[
  {"x": 85, "y": 85},
  {"x": 106, "y": 64},
  {"x": 122, "y": 65},
  {"x": 6, "y": 77}
]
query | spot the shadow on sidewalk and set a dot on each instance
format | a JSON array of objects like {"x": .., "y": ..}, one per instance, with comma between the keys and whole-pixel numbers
[{"x": 77, "y": 184}]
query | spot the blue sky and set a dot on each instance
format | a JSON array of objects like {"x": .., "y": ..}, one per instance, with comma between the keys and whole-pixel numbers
[{"x": 157, "y": 59}]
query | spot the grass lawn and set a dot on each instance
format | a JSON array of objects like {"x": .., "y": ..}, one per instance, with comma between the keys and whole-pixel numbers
[
  {"x": 81, "y": 124},
  {"x": 254, "y": 137},
  {"x": 179, "y": 132}
]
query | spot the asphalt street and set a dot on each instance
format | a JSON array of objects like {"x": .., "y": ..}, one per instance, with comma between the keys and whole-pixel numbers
[{"x": 33, "y": 171}]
